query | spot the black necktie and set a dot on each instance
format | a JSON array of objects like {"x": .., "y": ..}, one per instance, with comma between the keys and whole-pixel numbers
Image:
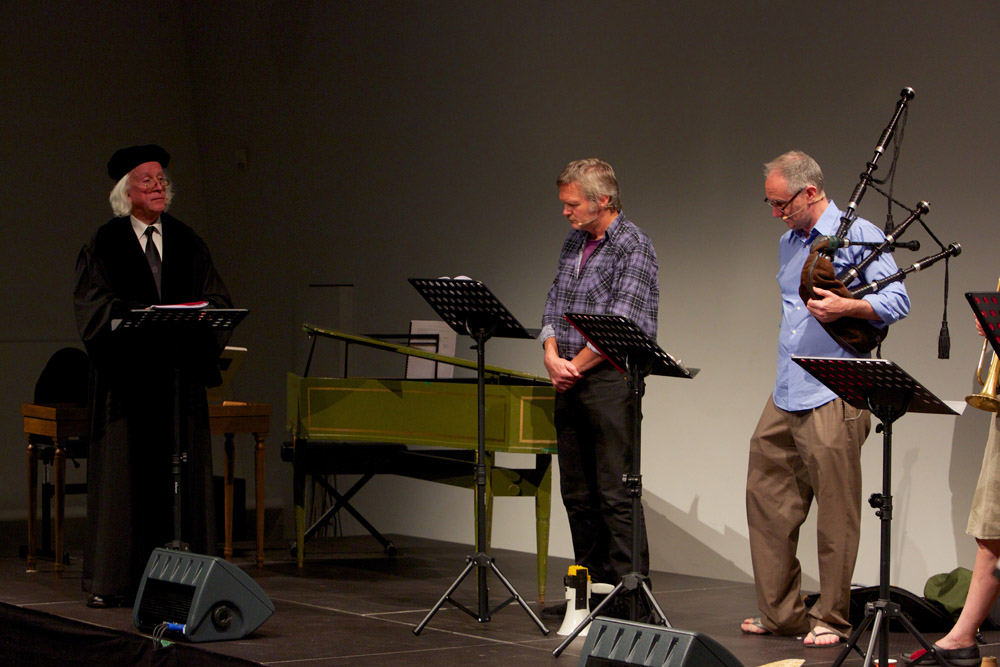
[{"x": 153, "y": 257}]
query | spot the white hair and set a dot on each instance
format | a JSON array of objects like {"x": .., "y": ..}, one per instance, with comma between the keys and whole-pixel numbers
[{"x": 121, "y": 203}]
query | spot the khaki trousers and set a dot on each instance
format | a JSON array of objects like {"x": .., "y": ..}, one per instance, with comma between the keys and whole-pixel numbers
[{"x": 794, "y": 458}]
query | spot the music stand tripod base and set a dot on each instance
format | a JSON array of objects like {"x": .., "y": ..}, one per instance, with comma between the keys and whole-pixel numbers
[{"x": 470, "y": 309}]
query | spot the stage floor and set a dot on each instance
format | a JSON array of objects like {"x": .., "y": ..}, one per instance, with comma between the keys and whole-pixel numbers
[{"x": 353, "y": 605}]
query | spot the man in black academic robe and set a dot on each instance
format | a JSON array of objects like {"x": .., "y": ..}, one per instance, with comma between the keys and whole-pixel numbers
[{"x": 129, "y": 471}]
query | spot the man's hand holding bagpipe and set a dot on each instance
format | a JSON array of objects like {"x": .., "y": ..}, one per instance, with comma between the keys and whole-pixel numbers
[{"x": 830, "y": 307}]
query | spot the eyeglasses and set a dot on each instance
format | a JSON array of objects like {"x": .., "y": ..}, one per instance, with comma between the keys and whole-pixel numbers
[
  {"x": 150, "y": 183},
  {"x": 780, "y": 205}
]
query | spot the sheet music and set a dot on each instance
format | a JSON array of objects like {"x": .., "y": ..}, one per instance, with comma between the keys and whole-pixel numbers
[{"x": 447, "y": 342}]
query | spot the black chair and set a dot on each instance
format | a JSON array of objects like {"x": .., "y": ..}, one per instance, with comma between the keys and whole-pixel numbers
[{"x": 65, "y": 381}]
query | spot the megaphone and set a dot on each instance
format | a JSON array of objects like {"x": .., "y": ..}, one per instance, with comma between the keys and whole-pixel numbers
[{"x": 578, "y": 591}]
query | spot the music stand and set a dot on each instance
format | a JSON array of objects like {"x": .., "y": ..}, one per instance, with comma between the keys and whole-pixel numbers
[
  {"x": 986, "y": 306},
  {"x": 182, "y": 326},
  {"x": 470, "y": 309},
  {"x": 632, "y": 352},
  {"x": 888, "y": 392}
]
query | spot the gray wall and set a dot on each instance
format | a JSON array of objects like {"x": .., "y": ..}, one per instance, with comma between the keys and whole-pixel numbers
[{"x": 388, "y": 140}]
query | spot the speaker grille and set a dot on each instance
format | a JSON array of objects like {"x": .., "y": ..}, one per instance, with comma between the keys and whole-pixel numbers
[
  {"x": 185, "y": 588},
  {"x": 622, "y": 645},
  {"x": 619, "y": 643},
  {"x": 163, "y": 602}
]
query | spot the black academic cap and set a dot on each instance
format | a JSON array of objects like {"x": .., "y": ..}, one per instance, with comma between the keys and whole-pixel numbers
[{"x": 126, "y": 159}]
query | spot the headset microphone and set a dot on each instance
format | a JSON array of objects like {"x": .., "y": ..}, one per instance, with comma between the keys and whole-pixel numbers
[{"x": 786, "y": 216}]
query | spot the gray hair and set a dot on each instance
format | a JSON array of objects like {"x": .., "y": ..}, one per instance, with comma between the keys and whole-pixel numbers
[
  {"x": 799, "y": 170},
  {"x": 121, "y": 203},
  {"x": 595, "y": 177}
]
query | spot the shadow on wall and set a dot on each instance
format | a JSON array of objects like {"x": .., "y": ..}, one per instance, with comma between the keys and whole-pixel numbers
[
  {"x": 680, "y": 542},
  {"x": 967, "y": 446}
]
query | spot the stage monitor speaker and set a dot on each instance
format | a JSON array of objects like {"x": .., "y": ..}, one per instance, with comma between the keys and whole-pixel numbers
[
  {"x": 615, "y": 643},
  {"x": 202, "y": 598}
]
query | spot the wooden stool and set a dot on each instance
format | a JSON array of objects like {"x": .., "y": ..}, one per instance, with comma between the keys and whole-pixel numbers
[{"x": 62, "y": 423}]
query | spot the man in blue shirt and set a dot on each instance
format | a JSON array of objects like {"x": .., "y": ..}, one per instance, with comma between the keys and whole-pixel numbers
[
  {"x": 807, "y": 444},
  {"x": 607, "y": 266}
]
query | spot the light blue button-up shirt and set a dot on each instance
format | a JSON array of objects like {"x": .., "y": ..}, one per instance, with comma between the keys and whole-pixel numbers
[{"x": 801, "y": 334}]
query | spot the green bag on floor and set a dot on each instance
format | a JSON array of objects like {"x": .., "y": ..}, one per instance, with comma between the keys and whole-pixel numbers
[{"x": 949, "y": 589}]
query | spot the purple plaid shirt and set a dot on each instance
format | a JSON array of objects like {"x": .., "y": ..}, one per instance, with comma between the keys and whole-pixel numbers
[{"x": 620, "y": 278}]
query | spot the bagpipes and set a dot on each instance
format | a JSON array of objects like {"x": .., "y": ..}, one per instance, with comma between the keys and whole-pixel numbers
[{"x": 856, "y": 335}]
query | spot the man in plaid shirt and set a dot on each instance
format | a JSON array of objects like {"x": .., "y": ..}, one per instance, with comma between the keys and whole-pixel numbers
[{"x": 607, "y": 266}]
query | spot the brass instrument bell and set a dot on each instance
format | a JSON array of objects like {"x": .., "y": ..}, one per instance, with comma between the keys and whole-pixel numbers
[{"x": 987, "y": 398}]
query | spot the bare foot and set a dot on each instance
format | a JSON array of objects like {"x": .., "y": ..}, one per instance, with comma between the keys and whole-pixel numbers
[
  {"x": 753, "y": 626},
  {"x": 820, "y": 636}
]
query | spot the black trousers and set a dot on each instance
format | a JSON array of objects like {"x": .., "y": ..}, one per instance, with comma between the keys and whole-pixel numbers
[{"x": 594, "y": 428}]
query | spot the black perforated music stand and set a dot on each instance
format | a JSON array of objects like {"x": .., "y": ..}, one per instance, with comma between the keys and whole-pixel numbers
[
  {"x": 214, "y": 319},
  {"x": 634, "y": 353},
  {"x": 986, "y": 306},
  {"x": 888, "y": 392},
  {"x": 184, "y": 328},
  {"x": 470, "y": 309}
]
